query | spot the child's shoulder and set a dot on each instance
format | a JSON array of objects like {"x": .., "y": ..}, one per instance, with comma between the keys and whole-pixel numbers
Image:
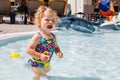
[{"x": 37, "y": 35}]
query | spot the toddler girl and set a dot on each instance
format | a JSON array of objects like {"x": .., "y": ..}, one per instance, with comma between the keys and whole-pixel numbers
[{"x": 43, "y": 43}]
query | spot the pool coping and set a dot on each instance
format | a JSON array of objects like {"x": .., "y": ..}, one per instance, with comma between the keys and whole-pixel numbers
[
  {"x": 17, "y": 34},
  {"x": 11, "y": 37}
]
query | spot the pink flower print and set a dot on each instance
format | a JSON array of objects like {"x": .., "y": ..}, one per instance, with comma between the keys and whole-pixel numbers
[
  {"x": 40, "y": 47},
  {"x": 45, "y": 48},
  {"x": 53, "y": 40},
  {"x": 49, "y": 46}
]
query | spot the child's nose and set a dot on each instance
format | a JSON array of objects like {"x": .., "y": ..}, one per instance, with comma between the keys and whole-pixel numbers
[{"x": 51, "y": 21}]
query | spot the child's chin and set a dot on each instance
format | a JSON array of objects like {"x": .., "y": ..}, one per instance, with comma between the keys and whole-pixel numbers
[{"x": 52, "y": 29}]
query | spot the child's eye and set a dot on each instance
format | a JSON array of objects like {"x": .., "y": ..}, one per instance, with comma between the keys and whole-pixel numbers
[
  {"x": 50, "y": 20},
  {"x": 47, "y": 19},
  {"x": 53, "y": 20}
]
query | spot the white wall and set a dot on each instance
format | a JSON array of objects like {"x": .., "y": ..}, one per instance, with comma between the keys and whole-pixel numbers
[{"x": 76, "y": 5}]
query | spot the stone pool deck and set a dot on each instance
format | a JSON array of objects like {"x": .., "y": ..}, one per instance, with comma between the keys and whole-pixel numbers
[
  {"x": 15, "y": 28},
  {"x": 8, "y": 30}
]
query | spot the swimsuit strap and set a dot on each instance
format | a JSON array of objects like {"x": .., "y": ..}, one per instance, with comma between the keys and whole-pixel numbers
[
  {"x": 39, "y": 33},
  {"x": 53, "y": 35}
]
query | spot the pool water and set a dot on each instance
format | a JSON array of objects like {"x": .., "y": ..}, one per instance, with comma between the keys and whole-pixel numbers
[{"x": 86, "y": 57}]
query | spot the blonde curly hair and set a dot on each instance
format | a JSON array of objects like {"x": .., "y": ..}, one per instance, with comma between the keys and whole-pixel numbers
[{"x": 40, "y": 14}]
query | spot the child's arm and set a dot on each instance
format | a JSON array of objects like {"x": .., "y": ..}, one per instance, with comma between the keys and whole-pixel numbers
[
  {"x": 31, "y": 48},
  {"x": 57, "y": 49}
]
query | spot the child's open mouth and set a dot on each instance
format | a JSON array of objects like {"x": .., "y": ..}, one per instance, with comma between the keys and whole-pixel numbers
[{"x": 49, "y": 26}]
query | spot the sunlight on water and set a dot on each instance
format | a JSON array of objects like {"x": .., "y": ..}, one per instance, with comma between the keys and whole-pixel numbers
[{"x": 86, "y": 57}]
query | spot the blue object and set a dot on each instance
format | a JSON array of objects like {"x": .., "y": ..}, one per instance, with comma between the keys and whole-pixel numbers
[
  {"x": 80, "y": 28},
  {"x": 104, "y": 5},
  {"x": 80, "y": 24},
  {"x": 76, "y": 23}
]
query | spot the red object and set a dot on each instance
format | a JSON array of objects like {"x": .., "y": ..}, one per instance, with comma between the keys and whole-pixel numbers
[{"x": 106, "y": 13}]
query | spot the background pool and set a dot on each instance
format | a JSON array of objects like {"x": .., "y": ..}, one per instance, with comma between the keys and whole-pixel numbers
[{"x": 86, "y": 57}]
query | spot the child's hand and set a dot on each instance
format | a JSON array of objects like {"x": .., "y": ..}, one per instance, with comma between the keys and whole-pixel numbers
[
  {"x": 60, "y": 55},
  {"x": 44, "y": 57}
]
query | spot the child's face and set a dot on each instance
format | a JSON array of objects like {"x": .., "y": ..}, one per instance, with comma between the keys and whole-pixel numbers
[{"x": 47, "y": 22}]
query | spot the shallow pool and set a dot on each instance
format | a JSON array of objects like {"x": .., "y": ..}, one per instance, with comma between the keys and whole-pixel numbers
[{"x": 86, "y": 57}]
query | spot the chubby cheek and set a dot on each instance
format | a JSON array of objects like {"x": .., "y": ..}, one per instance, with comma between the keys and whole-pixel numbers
[
  {"x": 45, "y": 28},
  {"x": 43, "y": 24}
]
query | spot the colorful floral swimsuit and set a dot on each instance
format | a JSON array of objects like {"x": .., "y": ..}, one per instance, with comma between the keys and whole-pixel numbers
[{"x": 45, "y": 46}]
